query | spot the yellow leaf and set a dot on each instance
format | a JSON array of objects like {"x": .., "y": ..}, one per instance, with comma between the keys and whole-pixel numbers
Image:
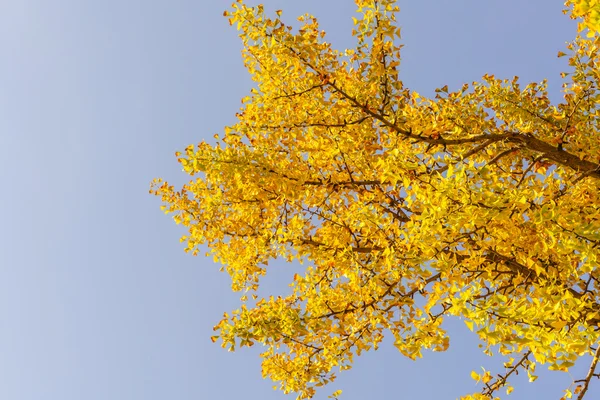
[{"x": 469, "y": 325}]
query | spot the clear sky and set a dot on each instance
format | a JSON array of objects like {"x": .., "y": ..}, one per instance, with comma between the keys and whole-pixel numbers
[{"x": 97, "y": 298}]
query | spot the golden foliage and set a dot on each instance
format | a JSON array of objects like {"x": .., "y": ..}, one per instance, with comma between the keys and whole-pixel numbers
[
  {"x": 481, "y": 203},
  {"x": 589, "y": 13}
]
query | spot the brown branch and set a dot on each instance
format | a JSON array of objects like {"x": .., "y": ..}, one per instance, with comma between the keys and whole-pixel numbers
[
  {"x": 363, "y": 250},
  {"x": 375, "y": 300},
  {"x": 558, "y": 155},
  {"x": 590, "y": 374},
  {"x": 495, "y": 257},
  {"x": 469, "y": 153},
  {"x": 501, "y": 380},
  {"x": 531, "y": 165},
  {"x": 298, "y": 93},
  {"x": 344, "y": 184},
  {"x": 412, "y": 292},
  {"x": 541, "y": 117},
  {"x": 439, "y": 141},
  {"x": 550, "y": 152},
  {"x": 502, "y": 154},
  {"x": 396, "y": 215}
]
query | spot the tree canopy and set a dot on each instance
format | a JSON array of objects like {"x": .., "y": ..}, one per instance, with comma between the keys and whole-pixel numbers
[{"x": 481, "y": 203}]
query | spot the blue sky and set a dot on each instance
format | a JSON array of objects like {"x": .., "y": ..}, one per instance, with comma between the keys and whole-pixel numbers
[{"x": 97, "y": 298}]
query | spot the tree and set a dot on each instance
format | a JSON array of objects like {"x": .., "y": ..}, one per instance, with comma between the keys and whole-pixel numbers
[{"x": 481, "y": 203}]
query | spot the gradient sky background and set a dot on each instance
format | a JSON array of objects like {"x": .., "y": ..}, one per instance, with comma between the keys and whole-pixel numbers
[{"x": 97, "y": 298}]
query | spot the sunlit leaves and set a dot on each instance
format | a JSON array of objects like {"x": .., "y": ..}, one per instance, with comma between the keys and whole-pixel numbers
[
  {"x": 481, "y": 203},
  {"x": 589, "y": 12}
]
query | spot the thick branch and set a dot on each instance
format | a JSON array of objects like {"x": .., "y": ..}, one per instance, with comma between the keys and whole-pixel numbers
[{"x": 560, "y": 156}]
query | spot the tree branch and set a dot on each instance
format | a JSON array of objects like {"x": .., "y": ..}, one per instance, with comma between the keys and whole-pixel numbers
[{"x": 590, "y": 374}]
